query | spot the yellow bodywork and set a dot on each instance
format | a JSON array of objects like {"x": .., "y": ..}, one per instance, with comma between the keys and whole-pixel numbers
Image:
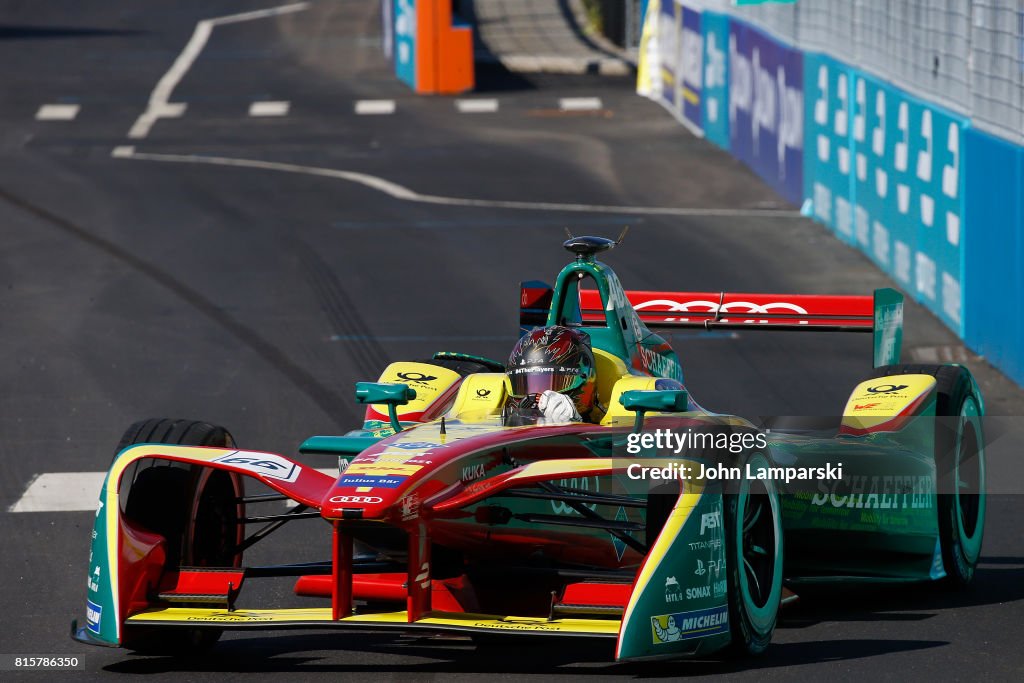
[
  {"x": 481, "y": 395},
  {"x": 877, "y": 401},
  {"x": 429, "y": 381},
  {"x": 321, "y": 616}
]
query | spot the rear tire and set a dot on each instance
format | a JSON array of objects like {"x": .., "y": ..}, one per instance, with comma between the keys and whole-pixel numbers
[
  {"x": 753, "y": 538},
  {"x": 194, "y": 508},
  {"x": 959, "y": 466}
]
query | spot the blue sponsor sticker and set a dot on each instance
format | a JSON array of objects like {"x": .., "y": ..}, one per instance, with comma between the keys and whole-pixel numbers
[
  {"x": 671, "y": 628},
  {"x": 378, "y": 482},
  {"x": 92, "y": 616},
  {"x": 415, "y": 445}
]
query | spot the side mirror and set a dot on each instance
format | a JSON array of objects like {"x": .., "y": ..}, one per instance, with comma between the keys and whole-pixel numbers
[
  {"x": 661, "y": 400},
  {"x": 392, "y": 395}
]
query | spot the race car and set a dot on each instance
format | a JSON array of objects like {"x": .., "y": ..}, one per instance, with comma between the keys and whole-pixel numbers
[{"x": 628, "y": 526}]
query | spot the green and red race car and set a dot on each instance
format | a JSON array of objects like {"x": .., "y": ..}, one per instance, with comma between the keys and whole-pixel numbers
[{"x": 658, "y": 525}]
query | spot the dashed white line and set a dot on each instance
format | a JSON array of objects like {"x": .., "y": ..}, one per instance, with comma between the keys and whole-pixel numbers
[
  {"x": 160, "y": 106},
  {"x": 57, "y": 112},
  {"x": 402, "y": 193},
  {"x": 375, "y": 107},
  {"x": 122, "y": 151},
  {"x": 276, "y": 108},
  {"x": 476, "y": 106},
  {"x": 579, "y": 103}
]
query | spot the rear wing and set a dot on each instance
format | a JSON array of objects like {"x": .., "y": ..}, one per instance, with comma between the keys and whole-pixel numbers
[{"x": 880, "y": 314}]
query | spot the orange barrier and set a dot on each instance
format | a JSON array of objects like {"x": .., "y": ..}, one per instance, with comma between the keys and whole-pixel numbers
[
  {"x": 444, "y": 59},
  {"x": 433, "y": 55}
]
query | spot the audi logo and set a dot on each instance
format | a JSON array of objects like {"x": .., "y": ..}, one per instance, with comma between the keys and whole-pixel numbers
[
  {"x": 748, "y": 307},
  {"x": 363, "y": 500}
]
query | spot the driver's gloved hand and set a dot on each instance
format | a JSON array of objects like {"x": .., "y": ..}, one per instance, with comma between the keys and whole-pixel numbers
[{"x": 557, "y": 408}]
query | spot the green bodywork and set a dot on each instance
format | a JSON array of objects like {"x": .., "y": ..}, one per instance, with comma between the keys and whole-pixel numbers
[
  {"x": 101, "y": 616},
  {"x": 623, "y": 334}
]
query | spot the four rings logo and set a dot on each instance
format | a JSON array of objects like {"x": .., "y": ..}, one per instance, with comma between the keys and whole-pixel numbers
[
  {"x": 416, "y": 377},
  {"x": 702, "y": 306},
  {"x": 363, "y": 500}
]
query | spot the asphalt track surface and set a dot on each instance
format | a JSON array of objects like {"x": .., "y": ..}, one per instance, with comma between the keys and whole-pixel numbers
[{"x": 255, "y": 297}]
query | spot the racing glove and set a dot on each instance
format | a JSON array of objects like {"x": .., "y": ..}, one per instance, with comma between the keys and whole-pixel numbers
[{"x": 557, "y": 408}]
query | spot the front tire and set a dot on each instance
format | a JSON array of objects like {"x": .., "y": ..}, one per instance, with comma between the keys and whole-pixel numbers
[
  {"x": 753, "y": 533},
  {"x": 195, "y": 509}
]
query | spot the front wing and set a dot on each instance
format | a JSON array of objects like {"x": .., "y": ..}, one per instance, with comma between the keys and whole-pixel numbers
[{"x": 676, "y": 605}]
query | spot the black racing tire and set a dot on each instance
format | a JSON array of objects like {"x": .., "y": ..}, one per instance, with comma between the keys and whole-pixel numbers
[
  {"x": 959, "y": 465},
  {"x": 174, "y": 431},
  {"x": 754, "y": 556},
  {"x": 197, "y": 511}
]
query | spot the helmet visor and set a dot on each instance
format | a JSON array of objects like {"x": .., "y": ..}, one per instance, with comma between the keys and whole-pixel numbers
[{"x": 538, "y": 379}]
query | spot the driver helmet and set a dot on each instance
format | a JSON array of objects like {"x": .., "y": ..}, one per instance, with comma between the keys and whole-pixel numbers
[{"x": 555, "y": 358}]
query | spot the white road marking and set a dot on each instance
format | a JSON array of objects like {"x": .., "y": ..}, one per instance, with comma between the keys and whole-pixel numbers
[
  {"x": 74, "y": 491},
  {"x": 279, "y": 108},
  {"x": 160, "y": 105},
  {"x": 579, "y": 103},
  {"x": 57, "y": 112},
  {"x": 402, "y": 193},
  {"x": 476, "y": 106},
  {"x": 122, "y": 151},
  {"x": 375, "y": 107},
  {"x": 61, "y": 492}
]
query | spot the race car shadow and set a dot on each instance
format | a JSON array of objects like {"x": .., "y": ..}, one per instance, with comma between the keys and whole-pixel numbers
[
  {"x": 997, "y": 580},
  {"x": 374, "y": 654}
]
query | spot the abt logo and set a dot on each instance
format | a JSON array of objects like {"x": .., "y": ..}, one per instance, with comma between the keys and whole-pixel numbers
[
  {"x": 710, "y": 520},
  {"x": 359, "y": 500}
]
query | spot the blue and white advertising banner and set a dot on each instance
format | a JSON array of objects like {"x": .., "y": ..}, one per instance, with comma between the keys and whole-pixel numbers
[
  {"x": 827, "y": 93},
  {"x": 668, "y": 53},
  {"x": 908, "y": 213},
  {"x": 691, "y": 63},
  {"x": 884, "y": 172},
  {"x": 715, "y": 84},
  {"x": 405, "y": 41},
  {"x": 766, "y": 108},
  {"x": 671, "y": 60}
]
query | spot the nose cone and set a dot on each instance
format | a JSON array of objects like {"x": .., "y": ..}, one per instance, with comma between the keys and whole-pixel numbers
[{"x": 363, "y": 496}]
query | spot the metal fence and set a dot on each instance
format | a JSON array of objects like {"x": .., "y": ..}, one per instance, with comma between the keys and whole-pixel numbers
[
  {"x": 997, "y": 66},
  {"x": 966, "y": 55}
]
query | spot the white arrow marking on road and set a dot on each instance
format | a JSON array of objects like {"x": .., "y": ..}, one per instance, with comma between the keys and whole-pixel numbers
[
  {"x": 61, "y": 492},
  {"x": 160, "y": 105},
  {"x": 73, "y": 491},
  {"x": 403, "y": 193}
]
